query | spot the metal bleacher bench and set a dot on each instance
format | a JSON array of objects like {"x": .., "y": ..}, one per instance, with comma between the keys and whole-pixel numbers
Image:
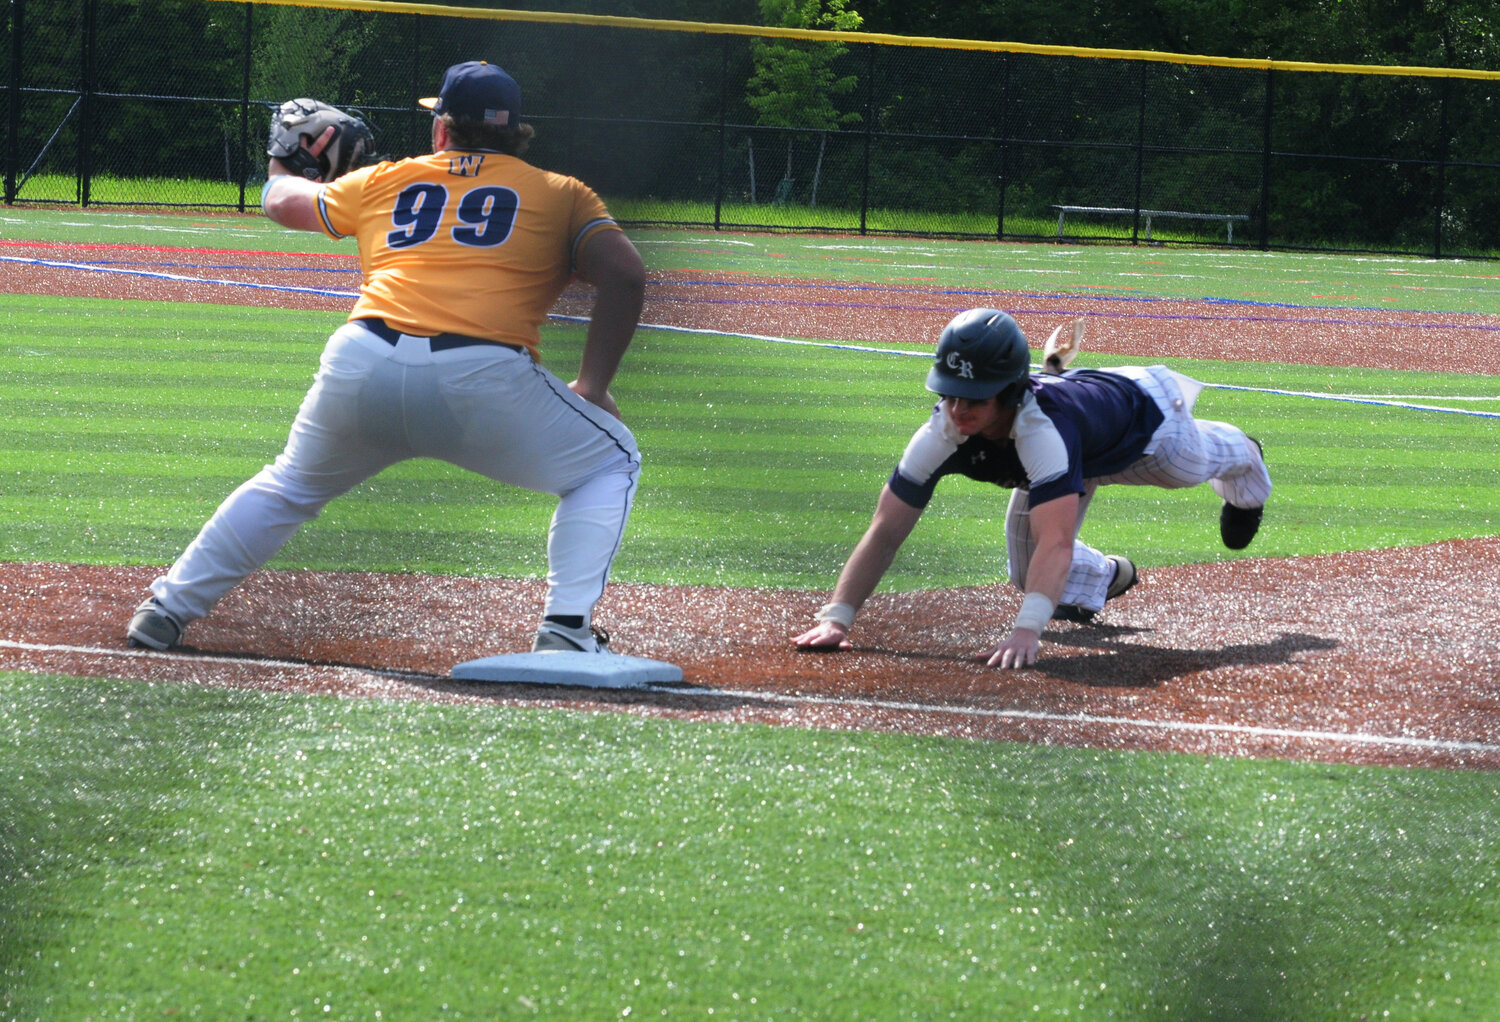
[{"x": 1229, "y": 219}]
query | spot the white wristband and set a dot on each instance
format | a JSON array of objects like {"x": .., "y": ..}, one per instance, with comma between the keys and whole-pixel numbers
[
  {"x": 1036, "y": 611},
  {"x": 841, "y": 613},
  {"x": 265, "y": 189}
]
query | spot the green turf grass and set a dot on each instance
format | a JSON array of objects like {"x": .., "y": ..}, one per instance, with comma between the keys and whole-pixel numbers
[
  {"x": 176, "y": 852},
  {"x": 207, "y": 197},
  {"x": 213, "y": 854},
  {"x": 130, "y": 421}
]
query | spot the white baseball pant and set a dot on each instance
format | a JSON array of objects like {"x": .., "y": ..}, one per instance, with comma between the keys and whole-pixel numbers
[
  {"x": 487, "y": 408},
  {"x": 1183, "y": 452}
]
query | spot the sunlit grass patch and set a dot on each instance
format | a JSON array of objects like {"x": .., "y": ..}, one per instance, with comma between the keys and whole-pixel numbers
[
  {"x": 132, "y": 420},
  {"x": 171, "y": 850}
]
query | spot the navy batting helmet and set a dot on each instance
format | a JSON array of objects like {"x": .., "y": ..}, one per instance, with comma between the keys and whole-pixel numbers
[{"x": 981, "y": 353}]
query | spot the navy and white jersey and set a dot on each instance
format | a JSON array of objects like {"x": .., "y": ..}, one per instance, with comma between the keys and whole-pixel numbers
[{"x": 1081, "y": 425}]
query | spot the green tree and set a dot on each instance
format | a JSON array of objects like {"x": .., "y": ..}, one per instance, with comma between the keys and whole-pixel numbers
[
  {"x": 312, "y": 52},
  {"x": 794, "y": 83}
]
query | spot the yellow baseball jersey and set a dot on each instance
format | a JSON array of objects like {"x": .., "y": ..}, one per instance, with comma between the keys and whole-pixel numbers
[{"x": 462, "y": 241}]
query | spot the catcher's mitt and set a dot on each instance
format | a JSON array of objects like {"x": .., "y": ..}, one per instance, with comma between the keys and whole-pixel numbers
[{"x": 299, "y": 123}]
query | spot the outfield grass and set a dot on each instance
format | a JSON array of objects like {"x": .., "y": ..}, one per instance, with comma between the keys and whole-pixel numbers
[
  {"x": 181, "y": 192},
  {"x": 174, "y": 852},
  {"x": 211, "y": 197},
  {"x": 1331, "y": 280}
]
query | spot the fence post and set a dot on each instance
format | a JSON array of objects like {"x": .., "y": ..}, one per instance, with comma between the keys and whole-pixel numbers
[
  {"x": 720, "y": 184},
  {"x": 1265, "y": 170},
  {"x": 12, "y": 151},
  {"x": 864, "y": 188},
  {"x": 1442, "y": 167},
  {"x": 1004, "y": 142},
  {"x": 86, "y": 119},
  {"x": 1140, "y": 157},
  {"x": 244, "y": 160}
]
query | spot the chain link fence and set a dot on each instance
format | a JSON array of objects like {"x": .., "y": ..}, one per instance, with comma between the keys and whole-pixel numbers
[{"x": 162, "y": 103}]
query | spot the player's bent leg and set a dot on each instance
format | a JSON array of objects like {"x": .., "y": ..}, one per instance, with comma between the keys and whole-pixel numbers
[
  {"x": 246, "y": 531},
  {"x": 1019, "y": 545},
  {"x": 1245, "y": 494},
  {"x": 522, "y": 426},
  {"x": 1087, "y": 586},
  {"x": 1240, "y": 476},
  {"x": 586, "y": 532},
  {"x": 1090, "y": 573}
]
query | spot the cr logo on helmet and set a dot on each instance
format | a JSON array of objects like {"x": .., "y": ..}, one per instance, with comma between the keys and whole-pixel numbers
[{"x": 963, "y": 367}]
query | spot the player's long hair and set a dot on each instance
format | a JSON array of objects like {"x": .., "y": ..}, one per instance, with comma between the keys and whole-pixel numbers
[{"x": 465, "y": 133}]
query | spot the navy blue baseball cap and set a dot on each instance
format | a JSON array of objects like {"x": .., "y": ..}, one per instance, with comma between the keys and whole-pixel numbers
[{"x": 477, "y": 90}]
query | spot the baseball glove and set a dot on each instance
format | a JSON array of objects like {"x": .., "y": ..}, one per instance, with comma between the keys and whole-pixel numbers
[
  {"x": 299, "y": 123},
  {"x": 1060, "y": 350}
]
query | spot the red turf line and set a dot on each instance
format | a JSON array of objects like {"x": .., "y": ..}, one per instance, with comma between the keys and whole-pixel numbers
[{"x": 75, "y": 245}]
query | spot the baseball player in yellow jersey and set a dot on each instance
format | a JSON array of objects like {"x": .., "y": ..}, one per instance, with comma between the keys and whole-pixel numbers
[{"x": 464, "y": 252}]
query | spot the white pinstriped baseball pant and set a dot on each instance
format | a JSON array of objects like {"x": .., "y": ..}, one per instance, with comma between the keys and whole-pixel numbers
[
  {"x": 1183, "y": 452},
  {"x": 486, "y": 408}
]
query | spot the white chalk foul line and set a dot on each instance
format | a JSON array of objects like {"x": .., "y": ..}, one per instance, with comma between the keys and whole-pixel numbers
[
  {"x": 1355, "y": 737},
  {"x": 896, "y": 706},
  {"x": 843, "y": 346}
]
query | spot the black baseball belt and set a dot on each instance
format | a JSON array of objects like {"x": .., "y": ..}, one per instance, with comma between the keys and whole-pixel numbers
[{"x": 437, "y": 342}]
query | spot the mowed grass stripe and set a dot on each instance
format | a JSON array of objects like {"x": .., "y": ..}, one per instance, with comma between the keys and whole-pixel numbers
[{"x": 792, "y": 443}]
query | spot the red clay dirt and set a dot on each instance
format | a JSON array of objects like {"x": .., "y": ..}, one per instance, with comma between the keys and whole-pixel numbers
[{"x": 1380, "y": 657}]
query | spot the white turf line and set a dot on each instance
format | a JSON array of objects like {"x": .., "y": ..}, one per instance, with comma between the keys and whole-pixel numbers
[
  {"x": 1181, "y": 726},
  {"x": 1392, "y": 401}
]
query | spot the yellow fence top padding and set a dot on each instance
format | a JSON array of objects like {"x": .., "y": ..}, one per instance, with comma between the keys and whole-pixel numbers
[{"x": 931, "y": 42}]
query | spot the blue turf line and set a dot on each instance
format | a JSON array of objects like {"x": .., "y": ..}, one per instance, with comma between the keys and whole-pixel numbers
[{"x": 832, "y": 345}]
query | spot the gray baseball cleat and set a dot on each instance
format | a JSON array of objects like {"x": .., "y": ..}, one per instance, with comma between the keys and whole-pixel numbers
[
  {"x": 553, "y": 637},
  {"x": 152, "y": 626},
  {"x": 1125, "y": 577}
]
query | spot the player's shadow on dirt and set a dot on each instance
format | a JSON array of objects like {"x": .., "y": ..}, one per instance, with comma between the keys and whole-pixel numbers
[{"x": 1141, "y": 665}]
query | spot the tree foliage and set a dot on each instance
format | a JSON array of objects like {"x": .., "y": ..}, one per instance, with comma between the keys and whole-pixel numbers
[
  {"x": 794, "y": 84},
  {"x": 1382, "y": 158}
]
